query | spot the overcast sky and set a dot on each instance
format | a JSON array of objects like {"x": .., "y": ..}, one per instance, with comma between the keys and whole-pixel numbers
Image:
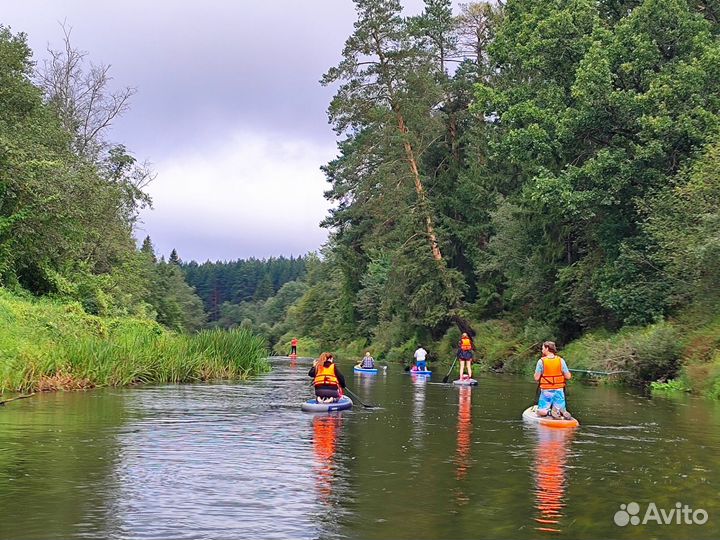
[{"x": 228, "y": 110}]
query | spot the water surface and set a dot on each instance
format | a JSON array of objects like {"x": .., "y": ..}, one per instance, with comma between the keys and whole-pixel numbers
[{"x": 436, "y": 461}]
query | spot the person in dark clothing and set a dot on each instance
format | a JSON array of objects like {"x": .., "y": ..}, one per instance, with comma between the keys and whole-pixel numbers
[{"x": 327, "y": 379}]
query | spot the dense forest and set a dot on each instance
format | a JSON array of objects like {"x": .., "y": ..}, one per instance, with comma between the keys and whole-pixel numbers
[
  {"x": 525, "y": 170},
  {"x": 234, "y": 282}
]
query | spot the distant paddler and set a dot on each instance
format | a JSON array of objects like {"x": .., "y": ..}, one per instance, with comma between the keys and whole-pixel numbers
[
  {"x": 465, "y": 355},
  {"x": 368, "y": 362},
  {"x": 293, "y": 347},
  {"x": 420, "y": 359}
]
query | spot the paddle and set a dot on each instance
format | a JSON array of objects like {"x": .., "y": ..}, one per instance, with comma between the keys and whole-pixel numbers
[
  {"x": 446, "y": 377},
  {"x": 353, "y": 394},
  {"x": 4, "y": 401}
]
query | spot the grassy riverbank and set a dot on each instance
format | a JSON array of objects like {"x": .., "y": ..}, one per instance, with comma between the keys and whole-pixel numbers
[
  {"x": 49, "y": 345},
  {"x": 681, "y": 355}
]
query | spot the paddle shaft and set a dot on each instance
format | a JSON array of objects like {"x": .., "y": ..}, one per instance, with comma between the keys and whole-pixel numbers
[
  {"x": 353, "y": 394},
  {"x": 446, "y": 377}
]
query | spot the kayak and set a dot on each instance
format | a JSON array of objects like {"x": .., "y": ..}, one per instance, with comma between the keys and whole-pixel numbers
[
  {"x": 418, "y": 372},
  {"x": 466, "y": 382},
  {"x": 371, "y": 371},
  {"x": 530, "y": 415},
  {"x": 311, "y": 405}
]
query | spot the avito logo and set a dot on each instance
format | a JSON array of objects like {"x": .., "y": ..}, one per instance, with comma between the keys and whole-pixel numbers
[{"x": 681, "y": 514}]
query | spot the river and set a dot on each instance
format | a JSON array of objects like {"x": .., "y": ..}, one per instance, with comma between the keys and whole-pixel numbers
[{"x": 435, "y": 461}]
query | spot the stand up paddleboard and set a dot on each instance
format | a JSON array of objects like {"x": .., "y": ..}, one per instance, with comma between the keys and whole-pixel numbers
[
  {"x": 370, "y": 371},
  {"x": 530, "y": 416},
  {"x": 311, "y": 405},
  {"x": 466, "y": 382}
]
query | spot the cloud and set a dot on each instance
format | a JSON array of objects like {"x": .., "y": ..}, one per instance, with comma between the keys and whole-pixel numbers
[{"x": 252, "y": 195}]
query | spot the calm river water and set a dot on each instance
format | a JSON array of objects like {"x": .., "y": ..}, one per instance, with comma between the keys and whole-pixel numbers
[{"x": 436, "y": 461}]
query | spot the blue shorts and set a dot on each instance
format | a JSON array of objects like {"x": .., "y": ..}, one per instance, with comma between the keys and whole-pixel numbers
[
  {"x": 552, "y": 398},
  {"x": 421, "y": 365}
]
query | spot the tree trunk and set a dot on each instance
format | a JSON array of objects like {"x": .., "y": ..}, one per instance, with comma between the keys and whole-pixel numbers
[{"x": 419, "y": 189}]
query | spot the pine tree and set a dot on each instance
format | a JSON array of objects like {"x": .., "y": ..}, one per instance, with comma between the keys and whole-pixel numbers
[{"x": 148, "y": 249}]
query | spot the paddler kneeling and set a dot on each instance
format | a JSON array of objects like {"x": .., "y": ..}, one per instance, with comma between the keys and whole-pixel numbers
[
  {"x": 551, "y": 373},
  {"x": 368, "y": 362},
  {"x": 327, "y": 379}
]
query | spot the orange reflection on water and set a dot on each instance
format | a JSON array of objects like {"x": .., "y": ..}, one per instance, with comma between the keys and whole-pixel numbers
[
  {"x": 325, "y": 434},
  {"x": 464, "y": 433},
  {"x": 550, "y": 483}
]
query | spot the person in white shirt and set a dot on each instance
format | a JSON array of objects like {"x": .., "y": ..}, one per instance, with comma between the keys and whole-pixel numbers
[{"x": 420, "y": 356}]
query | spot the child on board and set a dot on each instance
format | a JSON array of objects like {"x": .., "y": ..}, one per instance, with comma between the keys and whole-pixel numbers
[
  {"x": 465, "y": 355},
  {"x": 368, "y": 362},
  {"x": 420, "y": 359},
  {"x": 551, "y": 373},
  {"x": 328, "y": 381}
]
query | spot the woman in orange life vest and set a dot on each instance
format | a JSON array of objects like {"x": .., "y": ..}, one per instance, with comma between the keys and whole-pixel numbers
[
  {"x": 551, "y": 373},
  {"x": 465, "y": 355},
  {"x": 327, "y": 379}
]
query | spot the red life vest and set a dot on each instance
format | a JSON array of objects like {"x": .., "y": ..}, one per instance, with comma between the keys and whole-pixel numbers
[
  {"x": 325, "y": 376},
  {"x": 294, "y": 342},
  {"x": 465, "y": 344},
  {"x": 552, "y": 377}
]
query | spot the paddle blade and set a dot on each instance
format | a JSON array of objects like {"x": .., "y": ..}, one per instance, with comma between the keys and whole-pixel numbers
[{"x": 446, "y": 378}]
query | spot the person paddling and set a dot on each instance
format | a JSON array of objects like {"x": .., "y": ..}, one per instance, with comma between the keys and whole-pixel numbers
[
  {"x": 327, "y": 379},
  {"x": 465, "y": 355},
  {"x": 368, "y": 362},
  {"x": 552, "y": 372},
  {"x": 420, "y": 359},
  {"x": 293, "y": 346}
]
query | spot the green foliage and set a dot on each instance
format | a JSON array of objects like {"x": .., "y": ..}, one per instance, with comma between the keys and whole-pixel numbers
[
  {"x": 652, "y": 353},
  {"x": 568, "y": 167},
  {"x": 671, "y": 386},
  {"x": 49, "y": 345},
  {"x": 240, "y": 281}
]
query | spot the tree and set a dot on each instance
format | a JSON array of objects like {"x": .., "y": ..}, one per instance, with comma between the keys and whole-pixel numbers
[
  {"x": 148, "y": 249},
  {"x": 79, "y": 91}
]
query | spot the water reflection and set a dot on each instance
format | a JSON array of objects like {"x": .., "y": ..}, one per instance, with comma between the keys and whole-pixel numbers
[
  {"x": 326, "y": 429},
  {"x": 549, "y": 470},
  {"x": 418, "y": 414},
  {"x": 464, "y": 433}
]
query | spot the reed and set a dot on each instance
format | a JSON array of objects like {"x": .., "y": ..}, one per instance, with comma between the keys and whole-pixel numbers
[{"x": 46, "y": 345}]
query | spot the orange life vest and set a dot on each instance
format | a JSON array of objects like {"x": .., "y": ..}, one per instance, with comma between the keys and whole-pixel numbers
[
  {"x": 294, "y": 342},
  {"x": 325, "y": 376},
  {"x": 465, "y": 344},
  {"x": 552, "y": 377}
]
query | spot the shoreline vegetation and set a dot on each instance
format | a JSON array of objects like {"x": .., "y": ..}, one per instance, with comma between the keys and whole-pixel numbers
[
  {"x": 521, "y": 171},
  {"x": 51, "y": 345}
]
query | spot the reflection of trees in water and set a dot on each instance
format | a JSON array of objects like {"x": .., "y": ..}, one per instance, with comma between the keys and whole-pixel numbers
[
  {"x": 325, "y": 436},
  {"x": 464, "y": 436},
  {"x": 550, "y": 483}
]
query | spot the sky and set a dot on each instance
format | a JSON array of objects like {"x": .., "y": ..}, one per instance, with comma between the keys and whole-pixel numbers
[{"x": 228, "y": 111}]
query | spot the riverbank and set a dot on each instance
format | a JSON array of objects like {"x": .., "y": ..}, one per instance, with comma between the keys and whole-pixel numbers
[
  {"x": 53, "y": 345},
  {"x": 680, "y": 355}
]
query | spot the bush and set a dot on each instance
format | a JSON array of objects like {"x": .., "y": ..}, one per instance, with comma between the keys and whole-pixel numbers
[{"x": 671, "y": 386}]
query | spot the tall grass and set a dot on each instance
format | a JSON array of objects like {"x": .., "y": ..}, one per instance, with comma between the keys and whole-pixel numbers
[{"x": 46, "y": 345}]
